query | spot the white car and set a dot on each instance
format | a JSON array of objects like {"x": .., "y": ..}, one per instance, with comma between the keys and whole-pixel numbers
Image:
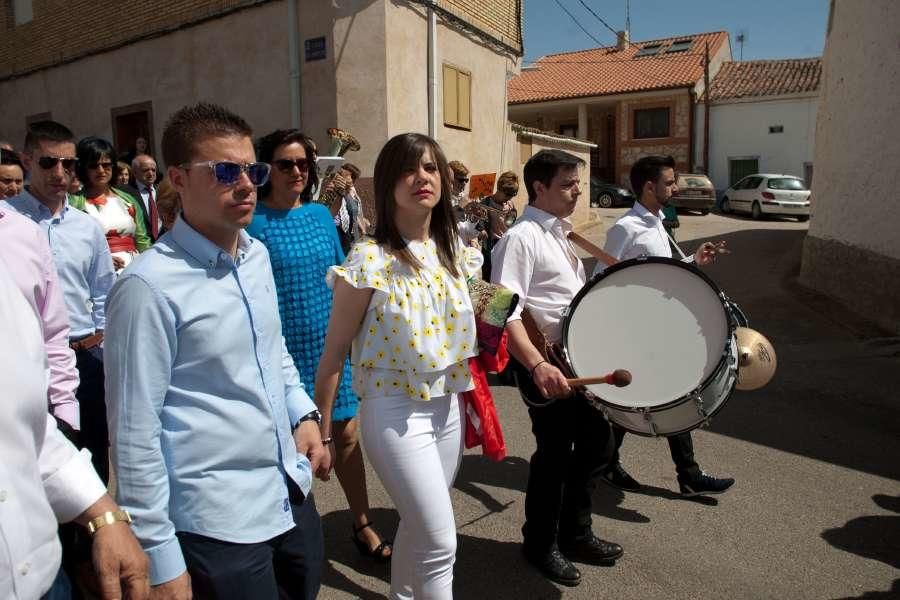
[{"x": 768, "y": 194}]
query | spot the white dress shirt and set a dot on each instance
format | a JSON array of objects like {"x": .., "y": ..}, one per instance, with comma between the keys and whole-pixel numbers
[
  {"x": 44, "y": 480},
  {"x": 637, "y": 233},
  {"x": 536, "y": 260}
]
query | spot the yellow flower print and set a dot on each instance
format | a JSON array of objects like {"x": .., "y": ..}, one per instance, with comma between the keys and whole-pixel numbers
[
  {"x": 433, "y": 365},
  {"x": 397, "y": 350},
  {"x": 412, "y": 343},
  {"x": 392, "y": 298},
  {"x": 370, "y": 257},
  {"x": 452, "y": 314},
  {"x": 378, "y": 384},
  {"x": 423, "y": 395},
  {"x": 428, "y": 332},
  {"x": 380, "y": 354},
  {"x": 393, "y": 362},
  {"x": 395, "y": 384},
  {"x": 394, "y": 330},
  {"x": 450, "y": 328},
  {"x": 373, "y": 330}
]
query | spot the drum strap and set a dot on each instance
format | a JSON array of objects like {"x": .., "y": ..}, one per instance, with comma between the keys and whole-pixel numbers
[{"x": 677, "y": 247}]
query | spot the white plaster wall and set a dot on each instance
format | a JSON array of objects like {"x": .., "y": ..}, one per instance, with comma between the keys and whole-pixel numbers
[
  {"x": 239, "y": 61},
  {"x": 741, "y": 129},
  {"x": 857, "y": 136}
]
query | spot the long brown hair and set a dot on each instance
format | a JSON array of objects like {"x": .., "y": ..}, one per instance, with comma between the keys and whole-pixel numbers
[{"x": 400, "y": 155}]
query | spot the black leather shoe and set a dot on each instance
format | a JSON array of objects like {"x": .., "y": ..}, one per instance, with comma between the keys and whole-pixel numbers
[
  {"x": 555, "y": 567},
  {"x": 703, "y": 485},
  {"x": 618, "y": 477},
  {"x": 591, "y": 550}
]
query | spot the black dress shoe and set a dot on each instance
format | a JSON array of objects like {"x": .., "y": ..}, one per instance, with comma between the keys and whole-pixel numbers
[
  {"x": 703, "y": 485},
  {"x": 618, "y": 477},
  {"x": 591, "y": 550},
  {"x": 555, "y": 567}
]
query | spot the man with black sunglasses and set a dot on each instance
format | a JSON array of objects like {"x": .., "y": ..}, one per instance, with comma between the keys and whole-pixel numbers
[{"x": 214, "y": 439}]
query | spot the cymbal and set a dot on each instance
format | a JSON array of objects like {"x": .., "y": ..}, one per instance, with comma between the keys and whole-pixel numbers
[{"x": 756, "y": 359}]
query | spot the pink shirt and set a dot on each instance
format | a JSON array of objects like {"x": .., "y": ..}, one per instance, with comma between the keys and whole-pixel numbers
[{"x": 26, "y": 254}]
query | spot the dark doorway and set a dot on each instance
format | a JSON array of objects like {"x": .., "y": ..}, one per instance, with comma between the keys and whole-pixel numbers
[{"x": 128, "y": 124}]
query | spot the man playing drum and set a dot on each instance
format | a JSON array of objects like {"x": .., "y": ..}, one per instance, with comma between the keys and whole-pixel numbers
[
  {"x": 535, "y": 260},
  {"x": 640, "y": 232}
]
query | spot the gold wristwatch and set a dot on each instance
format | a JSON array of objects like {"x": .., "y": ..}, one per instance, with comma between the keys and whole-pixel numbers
[{"x": 108, "y": 518}]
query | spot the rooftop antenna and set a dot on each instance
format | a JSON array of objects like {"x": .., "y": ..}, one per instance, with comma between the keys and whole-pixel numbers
[
  {"x": 741, "y": 38},
  {"x": 628, "y": 17}
]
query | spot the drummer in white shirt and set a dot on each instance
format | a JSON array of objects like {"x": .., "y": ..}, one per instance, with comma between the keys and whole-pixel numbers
[
  {"x": 640, "y": 232},
  {"x": 574, "y": 442}
]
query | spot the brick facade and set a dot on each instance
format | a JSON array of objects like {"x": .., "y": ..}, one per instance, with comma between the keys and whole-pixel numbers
[
  {"x": 500, "y": 18},
  {"x": 64, "y": 30},
  {"x": 678, "y": 144}
]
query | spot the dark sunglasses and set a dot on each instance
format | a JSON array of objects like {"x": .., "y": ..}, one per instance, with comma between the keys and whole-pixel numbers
[
  {"x": 50, "y": 162},
  {"x": 228, "y": 173},
  {"x": 286, "y": 165},
  {"x": 101, "y": 165}
]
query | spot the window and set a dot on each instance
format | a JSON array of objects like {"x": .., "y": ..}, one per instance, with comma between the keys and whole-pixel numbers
[
  {"x": 776, "y": 128},
  {"x": 651, "y": 123},
  {"x": 787, "y": 183},
  {"x": 457, "y": 98},
  {"x": 648, "y": 50},
  {"x": 22, "y": 11},
  {"x": 680, "y": 46},
  {"x": 738, "y": 168},
  {"x": 568, "y": 130}
]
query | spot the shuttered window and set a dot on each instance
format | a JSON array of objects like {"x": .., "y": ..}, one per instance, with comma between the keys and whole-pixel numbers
[{"x": 457, "y": 98}]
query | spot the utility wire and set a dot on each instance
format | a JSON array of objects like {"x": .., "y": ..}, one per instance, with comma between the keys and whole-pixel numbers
[
  {"x": 596, "y": 16},
  {"x": 577, "y": 22}
]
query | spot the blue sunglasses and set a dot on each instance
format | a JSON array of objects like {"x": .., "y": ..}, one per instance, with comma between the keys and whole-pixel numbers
[{"x": 228, "y": 173}]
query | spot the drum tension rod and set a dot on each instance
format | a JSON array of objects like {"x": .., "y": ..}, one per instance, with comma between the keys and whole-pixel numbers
[
  {"x": 648, "y": 416},
  {"x": 698, "y": 400}
]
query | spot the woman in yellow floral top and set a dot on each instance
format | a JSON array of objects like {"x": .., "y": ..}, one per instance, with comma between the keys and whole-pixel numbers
[{"x": 402, "y": 301}]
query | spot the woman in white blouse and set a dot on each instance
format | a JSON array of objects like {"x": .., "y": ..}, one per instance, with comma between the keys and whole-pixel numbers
[
  {"x": 118, "y": 213},
  {"x": 402, "y": 300}
]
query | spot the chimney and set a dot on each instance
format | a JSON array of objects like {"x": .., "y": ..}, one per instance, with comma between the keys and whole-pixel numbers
[{"x": 622, "y": 40}]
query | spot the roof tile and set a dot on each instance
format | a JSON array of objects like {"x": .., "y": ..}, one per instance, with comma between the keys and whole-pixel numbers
[
  {"x": 608, "y": 70},
  {"x": 756, "y": 78}
]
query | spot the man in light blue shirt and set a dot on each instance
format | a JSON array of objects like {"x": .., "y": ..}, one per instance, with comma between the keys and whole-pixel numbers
[
  {"x": 202, "y": 393},
  {"x": 83, "y": 264}
]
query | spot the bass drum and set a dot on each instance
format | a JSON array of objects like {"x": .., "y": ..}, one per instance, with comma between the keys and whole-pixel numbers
[{"x": 667, "y": 323}]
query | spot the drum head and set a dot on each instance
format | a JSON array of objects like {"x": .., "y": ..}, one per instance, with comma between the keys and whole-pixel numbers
[{"x": 660, "y": 319}]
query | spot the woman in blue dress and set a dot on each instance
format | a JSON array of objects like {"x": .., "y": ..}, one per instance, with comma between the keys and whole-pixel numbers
[{"x": 303, "y": 244}]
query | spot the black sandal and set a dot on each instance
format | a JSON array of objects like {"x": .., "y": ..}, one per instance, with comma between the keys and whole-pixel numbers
[{"x": 377, "y": 554}]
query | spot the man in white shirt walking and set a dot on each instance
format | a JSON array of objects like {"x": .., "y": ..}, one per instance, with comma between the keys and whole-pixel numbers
[
  {"x": 640, "y": 232},
  {"x": 535, "y": 260}
]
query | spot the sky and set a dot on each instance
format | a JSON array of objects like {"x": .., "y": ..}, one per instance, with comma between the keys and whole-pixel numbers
[{"x": 774, "y": 28}]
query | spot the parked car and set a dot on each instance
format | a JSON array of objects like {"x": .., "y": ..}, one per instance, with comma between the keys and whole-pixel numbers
[
  {"x": 695, "y": 192},
  {"x": 607, "y": 195},
  {"x": 768, "y": 194}
]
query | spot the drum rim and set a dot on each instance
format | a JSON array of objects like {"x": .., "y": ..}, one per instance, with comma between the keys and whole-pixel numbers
[{"x": 642, "y": 260}]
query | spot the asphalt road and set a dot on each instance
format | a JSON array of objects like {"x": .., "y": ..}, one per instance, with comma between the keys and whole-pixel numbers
[{"x": 815, "y": 512}]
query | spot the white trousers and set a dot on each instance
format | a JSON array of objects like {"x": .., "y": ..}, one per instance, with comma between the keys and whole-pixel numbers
[{"x": 416, "y": 448}]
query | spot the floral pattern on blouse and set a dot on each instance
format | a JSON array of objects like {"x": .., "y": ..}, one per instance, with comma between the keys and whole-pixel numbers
[{"x": 419, "y": 329}]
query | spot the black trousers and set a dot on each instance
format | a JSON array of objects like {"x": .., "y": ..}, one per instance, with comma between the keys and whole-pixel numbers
[
  {"x": 286, "y": 566},
  {"x": 91, "y": 394},
  {"x": 681, "y": 447},
  {"x": 94, "y": 435},
  {"x": 574, "y": 444}
]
